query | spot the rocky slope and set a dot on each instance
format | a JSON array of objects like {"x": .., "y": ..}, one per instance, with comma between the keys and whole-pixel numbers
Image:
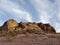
[
  {"x": 28, "y": 33},
  {"x": 31, "y": 27}
]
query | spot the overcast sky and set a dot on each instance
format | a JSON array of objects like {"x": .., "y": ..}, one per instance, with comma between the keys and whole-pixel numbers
[{"x": 46, "y": 11}]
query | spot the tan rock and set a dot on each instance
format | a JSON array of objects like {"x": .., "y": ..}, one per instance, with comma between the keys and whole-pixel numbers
[
  {"x": 42, "y": 26},
  {"x": 12, "y": 23},
  {"x": 49, "y": 28},
  {"x": 9, "y": 25}
]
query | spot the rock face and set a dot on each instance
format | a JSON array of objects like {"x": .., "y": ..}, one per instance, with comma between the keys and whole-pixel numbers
[
  {"x": 12, "y": 24},
  {"x": 46, "y": 28},
  {"x": 9, "y": 25},
  {"x": 42, "y": 26},
  {"x": 30, "y": 27},
  {"x": 49, "y": 28}
]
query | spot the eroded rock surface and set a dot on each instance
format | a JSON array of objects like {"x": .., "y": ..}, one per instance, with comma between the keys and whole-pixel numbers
[
  {"x": 31, "y": 27},
  {"x": 28, "y": 33}
]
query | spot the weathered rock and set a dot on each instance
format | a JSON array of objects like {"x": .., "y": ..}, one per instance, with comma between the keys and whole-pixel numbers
[
  {"x": 46, "y": 28},
  {"x": 34, "y": 26},
  {"x": 22, "y": 25},
  {"x": 30, "y": 27},
  {"x": 49, "y": 28},
  {"x": 10, "y": 25},
  {"x": 0, "y": 28},
  {"x": 42, "y": 26}
]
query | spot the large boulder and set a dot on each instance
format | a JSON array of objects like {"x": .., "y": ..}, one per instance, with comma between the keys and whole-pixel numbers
[
  {"x": 10, "y": 25},
  {"x": 49, "y": 28},
  {"x": 30, "y": 27},
  {"x": 33, "y": 27},
  {"x": 22, "y": 25},
  {"x": 42, "y": 26}
]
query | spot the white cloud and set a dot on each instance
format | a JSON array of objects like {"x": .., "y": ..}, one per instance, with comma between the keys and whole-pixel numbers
[
  {"x": 28, "y": 17},
  {"x": 44, "y": 17},
  {"x": 57, "y": 27},
  {"x": 1, "y": 22},
  {"x": 23, "y": 14},
  {"x": 15, "y": 11},
  {"x": 45, "y": 9},
  {"x": 42, "y": 7}
]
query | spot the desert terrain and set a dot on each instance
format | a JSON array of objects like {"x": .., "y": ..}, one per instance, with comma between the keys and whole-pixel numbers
[{"x": 31, "y": 33}]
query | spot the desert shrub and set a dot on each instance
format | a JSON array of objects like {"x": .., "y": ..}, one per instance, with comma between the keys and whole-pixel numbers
[
  {"x": 33, "y": 31},
  {"x": 30, "y": 31}
]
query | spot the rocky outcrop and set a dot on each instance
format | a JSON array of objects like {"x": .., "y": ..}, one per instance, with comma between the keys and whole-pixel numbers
[
  {"x": 46, "y": 28},
  {"x": 42, "y": 26},
  {"x": 30, "y": 27},
  {"x": 12, "y": 24},
  {"x": 9, "y": 25},
  {"x": 49, "y": 28}
]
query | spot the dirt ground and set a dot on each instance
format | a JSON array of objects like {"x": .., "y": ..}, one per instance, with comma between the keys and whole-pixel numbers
[{"x": 32, "y": 39}]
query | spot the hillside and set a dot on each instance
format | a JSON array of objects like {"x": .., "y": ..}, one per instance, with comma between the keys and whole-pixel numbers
[{"x": 28, "y": 33}]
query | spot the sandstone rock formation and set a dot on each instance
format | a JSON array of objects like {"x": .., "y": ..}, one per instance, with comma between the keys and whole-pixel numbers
[
  {"x": 46, "y": 28},
  {"x": 30, "y": 27},
  {"x": 9, "y": 25},
  {"x": 42, "y": 26},
  {"x": 49, "y": 28},
  {"x": 12, "y": 24}
]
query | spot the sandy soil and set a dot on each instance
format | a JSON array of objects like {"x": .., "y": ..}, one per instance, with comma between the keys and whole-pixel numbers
[{"x": 32, "y": 39}]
